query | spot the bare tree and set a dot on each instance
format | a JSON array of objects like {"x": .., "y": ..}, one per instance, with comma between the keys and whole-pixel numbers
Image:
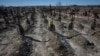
[
  {"x": 6, "y": 21},
  {"x": 93, "y": 25},
  {"x": 20, "y": 29}
]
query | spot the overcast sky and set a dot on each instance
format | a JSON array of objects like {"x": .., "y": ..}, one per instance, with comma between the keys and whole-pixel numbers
[{"x": 47, "y": 2}]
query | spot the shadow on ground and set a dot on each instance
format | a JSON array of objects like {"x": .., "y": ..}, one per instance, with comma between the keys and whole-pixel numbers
[{"x": 26, "y": 48}]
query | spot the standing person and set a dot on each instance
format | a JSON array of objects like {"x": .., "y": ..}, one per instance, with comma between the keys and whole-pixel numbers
[{"x": 51, "y": 26}]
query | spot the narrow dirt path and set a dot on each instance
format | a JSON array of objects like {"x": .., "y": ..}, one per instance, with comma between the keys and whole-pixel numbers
[
  {"x": 41, "y": 33},
  {"x": 34, "y": 43}
]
